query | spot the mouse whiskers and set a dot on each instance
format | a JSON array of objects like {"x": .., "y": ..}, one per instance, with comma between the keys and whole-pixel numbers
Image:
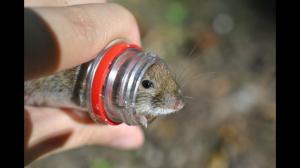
[
  {"x": 186, "y": 99},
  {"x": 195, "y": 47}
]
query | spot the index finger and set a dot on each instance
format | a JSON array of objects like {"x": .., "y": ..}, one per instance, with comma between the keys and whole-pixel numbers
[{"x": 61, "y": 38}]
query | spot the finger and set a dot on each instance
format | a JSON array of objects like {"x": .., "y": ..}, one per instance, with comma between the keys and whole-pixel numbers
[
  {"x": 53, "y": 131},
  {"x": 121, "y": 136},
  {"x": 56, "y": 3},
  {"x": 46, "y": 122},
  {"x": 39, "y": 140},
  {"x": 69, "y": 36}
]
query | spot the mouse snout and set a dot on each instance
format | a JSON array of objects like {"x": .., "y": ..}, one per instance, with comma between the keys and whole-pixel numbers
[
  {"x": 173, "y": 102},
  {"x": 178, "y": 104}
]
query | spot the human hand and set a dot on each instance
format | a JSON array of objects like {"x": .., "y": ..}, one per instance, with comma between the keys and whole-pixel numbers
[{"x": 60, "y": 35}]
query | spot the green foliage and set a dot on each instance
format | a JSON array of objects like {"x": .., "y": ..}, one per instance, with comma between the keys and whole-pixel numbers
[
  {"x": 101, "y": 163},
  {"x": 176, "y": 13}
]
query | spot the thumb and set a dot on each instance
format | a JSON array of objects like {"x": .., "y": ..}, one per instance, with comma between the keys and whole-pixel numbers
[{"x": 61, "y": 38}]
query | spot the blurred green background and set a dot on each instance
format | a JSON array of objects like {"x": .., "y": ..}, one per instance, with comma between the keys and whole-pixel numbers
[{"x": 226, "y": 54}]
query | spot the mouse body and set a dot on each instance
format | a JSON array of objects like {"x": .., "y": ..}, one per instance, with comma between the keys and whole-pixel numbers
[{"x": 158, "y": 93}]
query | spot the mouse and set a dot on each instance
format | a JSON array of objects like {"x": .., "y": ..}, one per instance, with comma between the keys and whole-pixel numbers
[{"x": 158, "y": 93}]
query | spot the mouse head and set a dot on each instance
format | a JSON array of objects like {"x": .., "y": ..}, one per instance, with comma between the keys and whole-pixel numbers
[{"x": 158, "y": 92}]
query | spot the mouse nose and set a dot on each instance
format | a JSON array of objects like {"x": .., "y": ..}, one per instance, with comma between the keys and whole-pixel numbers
[{"x": 179, "y": 104}]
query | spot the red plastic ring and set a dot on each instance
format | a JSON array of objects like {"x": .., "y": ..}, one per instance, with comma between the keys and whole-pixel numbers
[{"x": 100, "y": 79}]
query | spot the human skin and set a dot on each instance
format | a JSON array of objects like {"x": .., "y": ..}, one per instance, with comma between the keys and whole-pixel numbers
[{"x": 60, "y": 35}]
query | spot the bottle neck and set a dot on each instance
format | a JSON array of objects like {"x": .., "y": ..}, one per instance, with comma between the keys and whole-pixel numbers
[
  {"x": 112, "y": 81},
  {"x": 123, "y": 82}
]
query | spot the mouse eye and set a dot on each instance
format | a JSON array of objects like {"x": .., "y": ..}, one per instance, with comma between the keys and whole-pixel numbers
[{"x": 147, "y": 84}]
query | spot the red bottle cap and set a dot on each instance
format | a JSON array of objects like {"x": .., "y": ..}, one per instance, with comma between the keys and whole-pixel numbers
[{"x": 100, "y": 77}]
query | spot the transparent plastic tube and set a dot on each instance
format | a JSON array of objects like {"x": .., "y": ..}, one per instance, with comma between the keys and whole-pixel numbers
[{"x": 106, "y": 87}]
